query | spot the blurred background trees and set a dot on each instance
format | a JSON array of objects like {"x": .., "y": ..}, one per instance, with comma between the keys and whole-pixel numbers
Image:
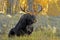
[{"x": 13, "y": 6}]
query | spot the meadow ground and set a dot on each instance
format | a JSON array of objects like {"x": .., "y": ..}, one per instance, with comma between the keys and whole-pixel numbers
[
  {"x": 7, "y": 22},
  {"x": 38, "y": 35}
]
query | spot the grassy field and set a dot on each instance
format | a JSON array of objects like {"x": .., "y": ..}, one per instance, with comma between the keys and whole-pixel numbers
[
  {"x": 36, "y": 35},
  {"x": 6, "y": 23}
]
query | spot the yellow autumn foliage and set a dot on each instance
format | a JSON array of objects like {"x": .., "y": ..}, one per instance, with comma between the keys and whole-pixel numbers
[{"x": 47, "y": 5}]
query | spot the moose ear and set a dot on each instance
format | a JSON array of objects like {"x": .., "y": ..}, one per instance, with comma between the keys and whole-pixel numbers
[{"x": 39, "y": 9}]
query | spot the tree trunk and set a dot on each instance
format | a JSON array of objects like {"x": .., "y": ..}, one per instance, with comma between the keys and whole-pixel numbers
[{"x": 30, "y": 4}]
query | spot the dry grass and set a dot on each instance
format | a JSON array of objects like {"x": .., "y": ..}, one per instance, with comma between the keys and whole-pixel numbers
[
  {"x": 44, "y": 34},
  {"x": 36, "y": 35}
]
